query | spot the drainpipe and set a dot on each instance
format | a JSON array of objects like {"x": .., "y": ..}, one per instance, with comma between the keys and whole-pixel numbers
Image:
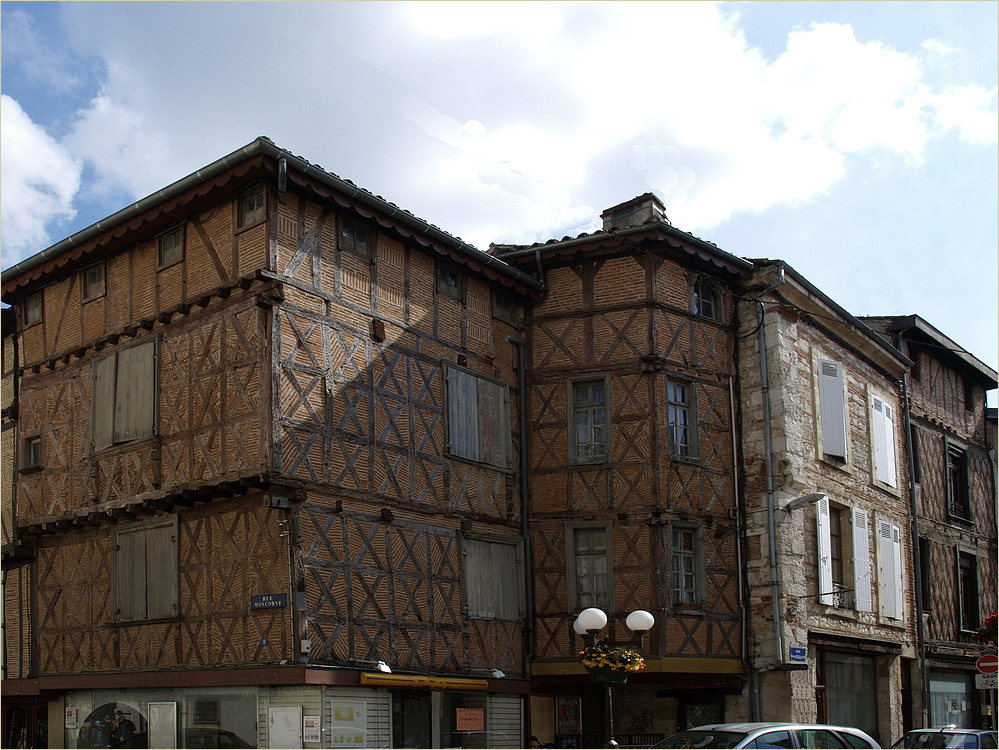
[{"x": 771, "y": 521}]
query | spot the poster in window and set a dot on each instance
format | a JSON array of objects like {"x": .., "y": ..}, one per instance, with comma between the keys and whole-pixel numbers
[
  {"x": 567, "y": 714},
  {"x": 470, "y": 719},
  {"x": 347, "y": 729},
  {"x": 71, "y": 718}
]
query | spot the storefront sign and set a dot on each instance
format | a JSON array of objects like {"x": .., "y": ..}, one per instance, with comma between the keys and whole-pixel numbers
[
  {"x": 470, "y": 719},
  {"x": 269, "y": 601}
]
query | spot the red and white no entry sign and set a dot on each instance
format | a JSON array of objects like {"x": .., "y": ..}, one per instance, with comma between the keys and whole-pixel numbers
[{"x": 988, "y": 663}]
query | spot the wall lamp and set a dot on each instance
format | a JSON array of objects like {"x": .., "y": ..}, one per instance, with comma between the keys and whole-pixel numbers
[
  {"x": 809, "y": 499},
  {"x": 591, "y": 620}
]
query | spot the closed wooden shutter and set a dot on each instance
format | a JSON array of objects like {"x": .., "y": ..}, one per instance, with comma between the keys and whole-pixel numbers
[
  {"x": 161, "y": 571},
  {"x": 493, "y": 580},
  {"x": 832, "y": 410},
  {"x": 102, "y": 419},
  {"x": 884, "y": 442},
  {"x": 825, "y": 553},
  {"x": 494, "y": 423},
  {"x": 130, "y": 574},
  {"x": 861, "y": 561},
  {"x": 478, "y": 418},
  {"x": 463, "y": 414},
  {"x": 135, "y": 392}
]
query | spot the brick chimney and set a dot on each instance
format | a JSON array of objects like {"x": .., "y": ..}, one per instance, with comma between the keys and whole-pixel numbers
[{"x": 641, "y": 210}]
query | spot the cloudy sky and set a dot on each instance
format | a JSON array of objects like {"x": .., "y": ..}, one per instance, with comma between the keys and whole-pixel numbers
[{"x": 855, "y": 140}]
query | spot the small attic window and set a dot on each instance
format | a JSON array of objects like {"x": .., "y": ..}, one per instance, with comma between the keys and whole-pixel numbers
[
  {"x": 93, "y": 282},
  {"x": 171, "y": 247},
  {"x": 355, "y": 239},
  {"x": 706, "y": 300},
  {"x": 33, "y": 309},
  {"x": 251, "y": 208}
]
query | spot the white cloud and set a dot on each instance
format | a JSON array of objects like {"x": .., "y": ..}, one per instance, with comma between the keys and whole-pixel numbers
[{"x": 38, "y": 182}]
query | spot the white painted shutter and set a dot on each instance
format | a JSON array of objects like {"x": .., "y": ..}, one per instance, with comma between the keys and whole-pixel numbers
[
  {"x": 896, "y": 534},
  {"x": 891, "y": 570},
  {"x": 825, "y": 553},
  {"x": 884, "y": 442},
  {"x": 861, "y": 562},
  {"x": 832, "y": 410}
]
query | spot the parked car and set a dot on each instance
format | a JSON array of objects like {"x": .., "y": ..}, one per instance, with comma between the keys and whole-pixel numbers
[
  {"x": 947, "y": 737},
  {"x": 759, "y": 734}
]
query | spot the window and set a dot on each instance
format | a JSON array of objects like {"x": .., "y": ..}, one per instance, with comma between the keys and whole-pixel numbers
[
  {"x": 171, "y": 247},
  {"x": 681, "y": 417},
  {"x": 504, "y": 307},
  {"x": 969, "y": 396},
  {"x": 124, "y": 395},
  {"x": 589, "y": 563},
  {"x": 450, "y": 282},
  {"x": 926, "y": 573},
  {"x": 589, "y": 433},
  {"x": 145, "y": 570},
  {"x": 494, "y": 578},
  {"x": 686, "y": 571},
  {"x": 478, "y": 424},
  {"x": 958, "y": 500},
  {"x": 33, "y": 309},
  {"x": 774, "y": 740},
  {"x": 93, "y": 282},
  {"x": 32, "y": 452},
  {"x": 883, "y": 436},
  {"x": 967, "y": 591},
  {"x": 844, "y": 556},
  {"x": 251, "y": 209},
  {"x": 917, "y": 471},
  {"x": 891, "y": 579},
  {"x": 706, "y": 300},
  {"x": 355, "y": 239},
  {"x": 832, "y": 409}
]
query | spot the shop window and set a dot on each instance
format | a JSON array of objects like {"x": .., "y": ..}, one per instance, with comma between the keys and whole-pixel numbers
[
  {"x": 590, "y": 554},
  {"x": 145, "y": 570},
  {"x": 891, "y": 580},
  {"x": 883, "y": 437},
  {"x": 958, "y": 500},
  {"x": 967, "y": 591},
  {"x": 450, "y": 282},
  {"x": 832, "y": 410},
  {"x": 493, "y": 579},
  {"x": 589, "y": 428},
  {"x": 355, "y": 239},
  {"x": 478, "y": 424},
  {"x": 686, "y": 566},
  {"x": 124, "y": 399},
  {"x": 843, "y": 556},
  {"x": 33, "y": 310},
  {"x": 706, "y": 299},
  {"x": 682, "y": 419},
  {"x": 92, "y": 284},
  {"x": 170, "y": 247},
  {"x": 251, "y": 208}
]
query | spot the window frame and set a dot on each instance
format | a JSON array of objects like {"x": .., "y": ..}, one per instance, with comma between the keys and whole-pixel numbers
[
  {"x": 181, "y": 247},
  {"x": 505, "y": 307},
  {"x": 444, "y": 288},
  {"x": 692, "y": 450},
  {"x": 165, "y": 604},
  {"x": 574, "y": 457},
  {"x": 572, "y": 569},
  {"x": 957, "y": 507},
  {"x": 969, "y": 395},
  {"x": 124, "y": 400},
  {"x": 499, "y": 456},
  {"x": 696, "y": 556},
  {"x": 489, "y": 586},
  {"x": 349, "y": 245},
  {"x": 839, "y": 593},
  {"x": 257, "y": 215},
  {"x": 704, "y": 292},
  {"x": 86, "y": 293},
  {"x": 968, "y": 601},
  {"x": 33, "y": 315},
  {"x": 33, "y": 455}
]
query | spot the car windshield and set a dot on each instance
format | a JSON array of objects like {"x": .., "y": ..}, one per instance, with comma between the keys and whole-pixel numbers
[
  {"x": 938, "y": 740},
  {"x": 702, "y": 738}
]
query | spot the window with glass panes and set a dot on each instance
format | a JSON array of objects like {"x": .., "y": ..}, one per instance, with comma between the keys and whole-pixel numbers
[
  {"x": 589, "y": 421},
  {"x": 590, "y": 554},
  {"x": 679, "y": 417},
  {"x": 682, "y": 569}
]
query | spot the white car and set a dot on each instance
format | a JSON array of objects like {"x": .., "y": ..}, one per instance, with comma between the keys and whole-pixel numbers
[{"x": 758, "y": 734}]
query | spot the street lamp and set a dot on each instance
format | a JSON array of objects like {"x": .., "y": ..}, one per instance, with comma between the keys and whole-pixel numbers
[{"x": 590, "y": 622}]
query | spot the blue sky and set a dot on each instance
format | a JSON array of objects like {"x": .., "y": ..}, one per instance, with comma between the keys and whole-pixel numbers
[{"x": 855, "y": 140}]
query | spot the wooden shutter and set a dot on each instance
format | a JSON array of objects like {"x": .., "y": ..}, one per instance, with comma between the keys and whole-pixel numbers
[
  {"x": 891, "y": 570},
  {"x": 832, "y": 410},
  {"x": 884, "y": 442},
  {"x": 463, "y": 414},
  {"x": 825, "y": 553},
  {"x": 135, "y": 392},
  {"x": 130, "y": 574},
  {"x": 494, "y": 423},
  {"x": 492, "y": 579},
  {"x": 102, "y": 418},
  {"x": 161, "y": 571},
  {"x": 861, "y": 561}
]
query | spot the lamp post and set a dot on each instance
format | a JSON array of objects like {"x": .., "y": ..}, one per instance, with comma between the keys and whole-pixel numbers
[{"x": 590, "y": 622}]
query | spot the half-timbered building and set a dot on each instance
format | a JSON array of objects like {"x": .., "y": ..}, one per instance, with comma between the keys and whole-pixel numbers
[
  {"x": 954, "y": 526},
  {"x": 268, "y": 487},
  {"x": 829, "y": 549},
  {"x": 632, "y": 477}
]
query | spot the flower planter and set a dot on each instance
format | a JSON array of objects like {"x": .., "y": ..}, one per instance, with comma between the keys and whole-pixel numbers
[{"x": 606, "y": 674}]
